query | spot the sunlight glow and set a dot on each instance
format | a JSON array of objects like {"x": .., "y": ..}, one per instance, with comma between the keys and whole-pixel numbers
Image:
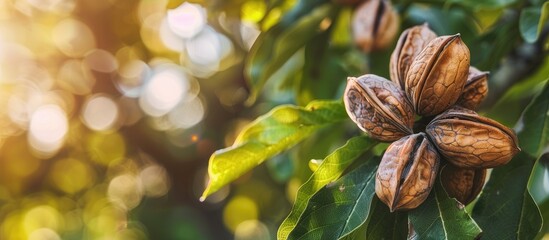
[
  {"x": 100, "y": 113},
  {"x": 187, "y": 114},
  {"x": 131, "y": 77},
  {"x": 163, "y": 91},
  {"x": 48, "y": 128},
  {"x": 187, "y": 20},
  {"x": 73, "y": 37},
  {"x": 252, "y": 230},
  {"x": 169, "y": 38},
  {"x": 154, "y": 180},
  {"x": 101, "y": 61},
  {"x": 125, "y": 190},
  {"x": 44, "y": 234}
]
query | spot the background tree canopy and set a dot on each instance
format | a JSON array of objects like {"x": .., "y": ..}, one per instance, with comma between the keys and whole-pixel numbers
[{"x": 111, "y": 113}]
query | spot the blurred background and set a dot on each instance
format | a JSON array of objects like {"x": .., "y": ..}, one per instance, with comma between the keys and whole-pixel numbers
[{"x": 109, "y": 111}]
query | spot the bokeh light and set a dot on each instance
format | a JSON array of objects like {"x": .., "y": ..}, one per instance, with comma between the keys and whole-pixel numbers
[
  {"x": 154, "y": 181},
  {"x": 58, "y": 6},
  {"x": 132, "y": 76},
  {"x": 252, "y": 230},
  {"x": 72, "y": 175},
  {"x": 169, "y": 38},
  {"x": 109, "y": 111},
  {"x": 163, "y": 91},
  {"x": 42, "y": 217},
  {"x": 106, "y": 148},
  {"x": 48, "y": 128},
  {"x": 187, "y": 114},
  {"x": 187, "y": 20},
  {"x": 44, "y": 234},
  {"x": 101, "y": 61},
  {"x": 203, "y": 54},
  {"x": 238, "y": 210},
  {"x": 73, "y": 38},
  {"x": 100, "y": 113},
  {"x": 125, "y": 190},
  {"x": 75, "y": 77}
]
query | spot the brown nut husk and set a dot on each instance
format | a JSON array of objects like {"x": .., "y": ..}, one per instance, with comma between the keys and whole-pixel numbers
[
  {"x": 409, "y": 45},
  {"x": 462, "y": 184},
  {"x": 436, "y": 78},
  {"x": 475, "y": 90},
  {"x": 375, "y": 24},
  {"x": 468, "y": 140},
  {"x": 407, "y": 172},
  {"x": 378, "y": 107}
]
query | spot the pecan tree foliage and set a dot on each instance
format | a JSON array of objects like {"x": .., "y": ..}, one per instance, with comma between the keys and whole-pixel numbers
[{"x": 432, "y": 181}]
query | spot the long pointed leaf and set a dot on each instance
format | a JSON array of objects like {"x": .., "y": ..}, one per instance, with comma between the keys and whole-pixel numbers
[
  {"x": 442, "y": 217},
  {"x": 272, "y": 133},
  {"x": 340, "y": 207},
  {"x": 331, "y": 168},
  {"x": 534, "y": 124},
  {"x": 382, "y": 224},
  {"x": 506, "y": 210}
]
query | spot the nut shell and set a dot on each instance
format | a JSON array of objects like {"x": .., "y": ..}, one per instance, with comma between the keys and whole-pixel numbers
[
  {"x": 409, "y": 45},
  {"x": 407, "y": 172},
  {"x": 475, "y": 90},
  {"x": 462, "y": 183},
  {"x": 375, "y": 24},
  {"x": 378, "y": 107},
  {"x": 438, "y": 74},
  {"x": 468, "y": 140}
]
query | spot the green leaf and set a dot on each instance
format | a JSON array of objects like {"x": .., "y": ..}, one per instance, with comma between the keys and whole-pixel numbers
[
  {"x": 533, "y": 127},
  {"x": 442, "y": 217},
  {"x": 270, "y": 134},
  {"x": 357, "y": 234},
  {"x": 323, "y": 71},
  {"x": 273, "y": 47},
  {"x": 340, "y": 207},
  {"x": 532, "y": 20},
  {"x": 486, "y": 4},
  {"x": 382, "y": 224},
  {"x": 506, "y": 209},
  {"x": 329, "y": 170},
  {"x": 544, "y": 16},
  {"x": 528, "y": 23}
]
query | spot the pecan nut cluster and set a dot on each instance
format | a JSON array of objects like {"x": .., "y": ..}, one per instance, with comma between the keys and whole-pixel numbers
[{"x": 430, "y": 76}]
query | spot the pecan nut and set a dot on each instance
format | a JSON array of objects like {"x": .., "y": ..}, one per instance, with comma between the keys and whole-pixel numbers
[
  {"x": 378, "y": 107},
  {"x": 475, "y": 90},
  {"x": 437, "y": 75},
  {"x": 409, "y": 45},
  {"x": 468, "y": 140},
  {"x": 407, "y": 172},
  {"x": 462, "y": 183},
  {"x": 375, "y": 24}
]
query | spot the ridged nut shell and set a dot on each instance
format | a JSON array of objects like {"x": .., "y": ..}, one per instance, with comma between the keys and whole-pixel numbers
[
  {"x": 462, "y": 184},
  {"x": 409, "y": 45},
  {"x": 468, "y": 140},
  {"x": 375, "y": 24},
  {"x": 475, "y": 90},
  {"x": 378, "y": 107},
  {"x": 438, "y": 74},
  {"x": 407, "y": 172}
]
